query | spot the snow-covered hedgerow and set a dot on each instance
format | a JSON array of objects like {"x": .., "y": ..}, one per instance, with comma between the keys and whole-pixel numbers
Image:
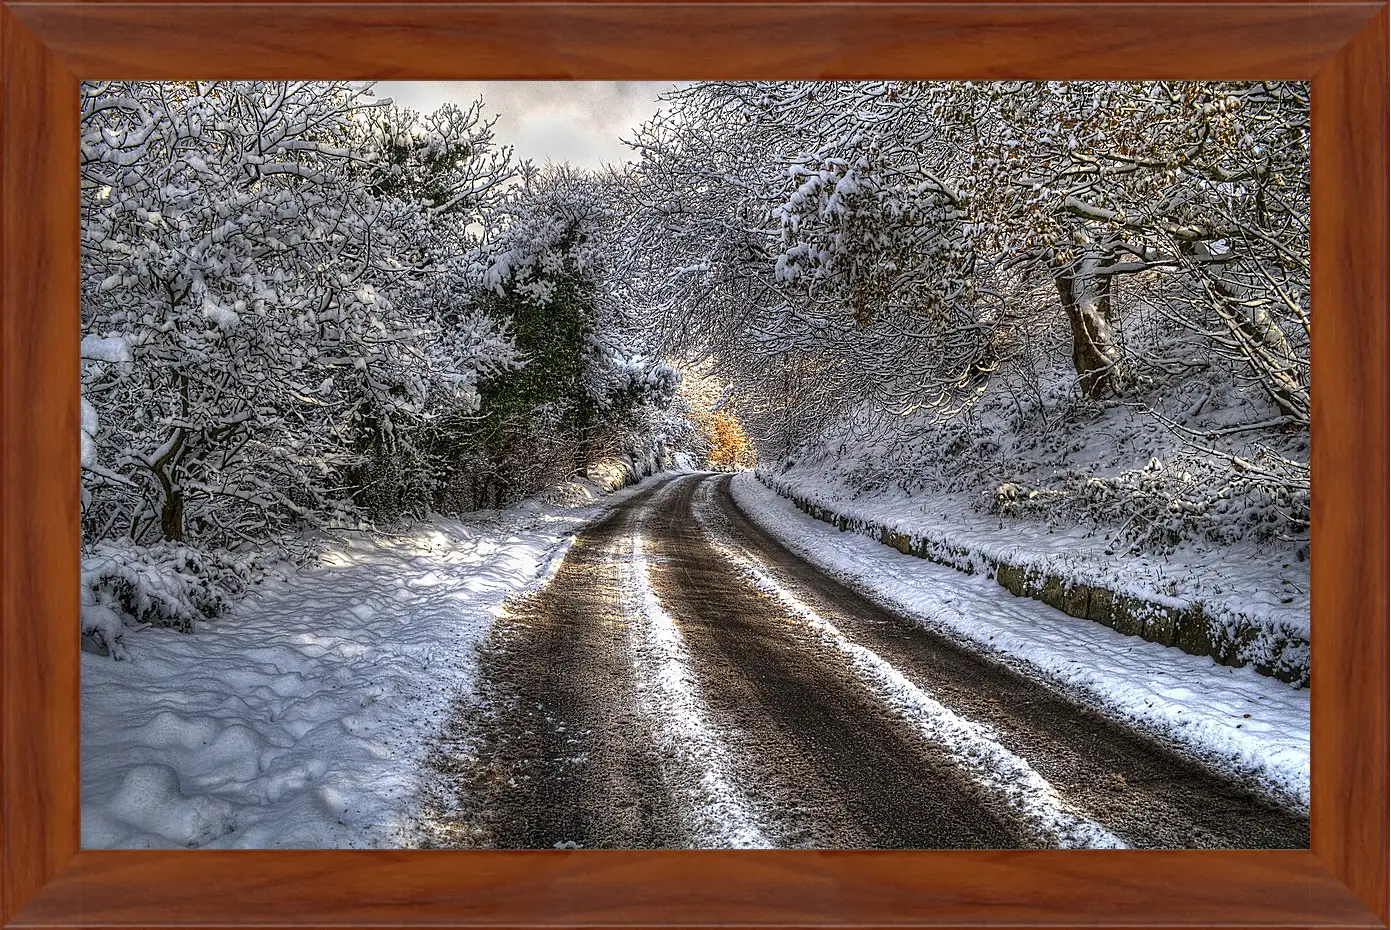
[
  {"x": 305, "y": 308},
  {"x": 165, "y": 585}
]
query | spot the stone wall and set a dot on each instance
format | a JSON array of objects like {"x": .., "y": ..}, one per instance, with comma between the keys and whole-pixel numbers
[{"x": 1236, "y": 641}]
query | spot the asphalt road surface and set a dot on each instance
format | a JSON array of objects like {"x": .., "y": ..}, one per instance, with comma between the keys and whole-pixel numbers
[{"x": 686, "y": 681}]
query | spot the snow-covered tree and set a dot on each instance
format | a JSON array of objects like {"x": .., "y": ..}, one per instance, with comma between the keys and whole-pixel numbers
[
  {"x": 276, "y": 308},
  {"x": 787, "y": 228},
  {"x": 584, "y": 385},
  {"x": 951, "y": 220}
]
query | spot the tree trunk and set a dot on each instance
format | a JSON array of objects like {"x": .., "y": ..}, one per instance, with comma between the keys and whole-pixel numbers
[
  {"x": 171, "y": 515},
  {"x": 165, "y": 468},
  {"x": 1271, "y": 356},
  {"x": 166, "y": 471},
  {"x": 1086, "y": 299}
]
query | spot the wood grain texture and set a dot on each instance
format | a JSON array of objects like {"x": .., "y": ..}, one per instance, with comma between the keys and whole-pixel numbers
[
  {"x": 733, "y": 4},
  {"x": 1349, "y": 465},
  {"x": 767, "y": 888},
  {"x": 1342, "y": 881},
  {"x": 38, "y": 463},
  {"x": 695, "y": 40}
]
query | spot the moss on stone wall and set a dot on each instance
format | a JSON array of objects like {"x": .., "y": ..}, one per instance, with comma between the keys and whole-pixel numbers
[{"x": 1186, "y": 627}]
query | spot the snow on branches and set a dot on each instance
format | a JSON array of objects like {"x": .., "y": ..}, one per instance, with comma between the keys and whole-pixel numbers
[
  {"x": 283, "y": 276},
  {"x": 887, "y": 249},
  {"x": 304, "y": 306}
]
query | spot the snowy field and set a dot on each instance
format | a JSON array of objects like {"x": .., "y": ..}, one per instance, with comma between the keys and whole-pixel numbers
[
  {"x": 301, "y": 718},
  {"x": 1233, "y": 720}
]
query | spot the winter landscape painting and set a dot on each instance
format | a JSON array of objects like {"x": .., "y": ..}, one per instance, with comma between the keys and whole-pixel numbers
[{"x": 754, "y": 464}]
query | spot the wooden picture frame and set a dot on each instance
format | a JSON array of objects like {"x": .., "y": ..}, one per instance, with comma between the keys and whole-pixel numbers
[{"x": 49, "y": 46}]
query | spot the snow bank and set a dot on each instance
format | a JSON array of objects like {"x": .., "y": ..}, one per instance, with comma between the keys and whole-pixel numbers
[
  {"x": 302, "y": 717},
  {"x": 1233, "y": 720},
  {"x": 1211, "y": 600}
]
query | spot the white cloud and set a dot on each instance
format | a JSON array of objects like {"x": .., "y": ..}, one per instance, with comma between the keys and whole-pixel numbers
[{"x": 581, "y": 122}]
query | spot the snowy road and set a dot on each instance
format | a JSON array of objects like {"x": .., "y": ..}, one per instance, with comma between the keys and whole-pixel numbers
[{"x": 686, "y": 680}]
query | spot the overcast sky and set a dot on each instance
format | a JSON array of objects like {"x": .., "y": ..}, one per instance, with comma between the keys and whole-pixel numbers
[{"x": 576, "y": 121}]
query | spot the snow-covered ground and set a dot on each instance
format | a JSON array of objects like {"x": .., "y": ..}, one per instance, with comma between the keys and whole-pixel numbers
[
  {"x": 1232, "y": 719},
  {"x": 1101, "y": 494},
  {"x": 301, "y": 718}
]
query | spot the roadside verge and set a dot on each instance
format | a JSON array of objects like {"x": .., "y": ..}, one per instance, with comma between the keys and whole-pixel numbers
[
  {"x": 1233, "y": 721},
  {"x": 1222, "y": 631}
]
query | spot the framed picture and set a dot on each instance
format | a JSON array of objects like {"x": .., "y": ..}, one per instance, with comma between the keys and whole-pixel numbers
[{"x": 62, "y": 62}]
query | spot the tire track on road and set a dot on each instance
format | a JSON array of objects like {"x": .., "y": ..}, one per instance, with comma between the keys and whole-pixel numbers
[
  {"x": 557, "y": 751},
  {"x": 841, "y": 767},
  {"x": 716, "y": 808},
  {"x": 1140, "y": 790}
]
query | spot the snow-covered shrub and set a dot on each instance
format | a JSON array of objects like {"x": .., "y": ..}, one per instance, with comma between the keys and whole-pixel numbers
[
  {"x": 1161, "y": 505},
  {"x": 164, "y": 584}
]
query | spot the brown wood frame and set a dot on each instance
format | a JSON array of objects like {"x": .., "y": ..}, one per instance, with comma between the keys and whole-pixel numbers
[{"x": 49, "y": 46}]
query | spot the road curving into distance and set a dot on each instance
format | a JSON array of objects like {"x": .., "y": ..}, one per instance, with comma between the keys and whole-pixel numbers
[{"x": 686, "y": 681}]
